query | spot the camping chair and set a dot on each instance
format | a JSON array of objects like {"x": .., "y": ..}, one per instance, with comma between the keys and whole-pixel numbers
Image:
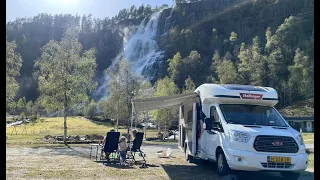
[
  {"x": 111, "y": 145},
  {"x": 135, "y": 148}
]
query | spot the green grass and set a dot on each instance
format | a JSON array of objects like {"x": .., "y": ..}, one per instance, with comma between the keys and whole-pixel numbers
[
  {"x": 308, "y": 138},
  {"x": 54, "y": 126},
  {"x": 311, "y": 161}
]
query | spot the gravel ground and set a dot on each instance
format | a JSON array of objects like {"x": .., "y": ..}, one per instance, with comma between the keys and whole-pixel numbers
[{"x": 34, "y": 163}]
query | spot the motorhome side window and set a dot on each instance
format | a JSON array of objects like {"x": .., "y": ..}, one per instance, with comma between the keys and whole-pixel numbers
[{"x": 214, "y": 114}]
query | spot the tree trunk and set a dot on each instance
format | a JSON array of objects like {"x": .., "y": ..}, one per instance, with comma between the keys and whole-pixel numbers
[
  {"x": 65, "y": 129},
  {"x": 135, "y": 123},
  {"x": 117, "y": 127},
  {"x": 159, "y": 128},
  {"x": 65, "y": 118}
]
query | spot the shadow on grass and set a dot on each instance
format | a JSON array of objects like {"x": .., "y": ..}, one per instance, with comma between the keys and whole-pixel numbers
[
  {"x": 207, "y": 170},
  {"x": 78, "y": 151}
]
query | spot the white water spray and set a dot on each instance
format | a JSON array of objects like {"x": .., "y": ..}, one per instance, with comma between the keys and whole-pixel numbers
[{"x": 140, "y": 48}]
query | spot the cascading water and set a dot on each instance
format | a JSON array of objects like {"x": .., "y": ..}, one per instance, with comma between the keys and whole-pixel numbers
[
  {"x": 167, "y": 23},
  {"x": 141, "y": 48}
]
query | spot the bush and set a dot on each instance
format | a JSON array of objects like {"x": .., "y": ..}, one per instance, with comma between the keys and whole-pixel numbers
[
  {"x": 22, "y": 116},
  {"x": 91, "y": 110}
]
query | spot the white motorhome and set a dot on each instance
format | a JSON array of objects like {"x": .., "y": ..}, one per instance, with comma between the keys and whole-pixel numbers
[{"x": 237, "y": 127}]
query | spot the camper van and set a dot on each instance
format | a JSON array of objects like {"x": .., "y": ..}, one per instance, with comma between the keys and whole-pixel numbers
[
  {"x": 235, "y": 126},
  {"x": 238, "y": 127}
]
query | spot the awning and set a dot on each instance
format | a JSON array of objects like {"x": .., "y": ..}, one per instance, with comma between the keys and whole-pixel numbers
[{"x": 161, "y": 102}]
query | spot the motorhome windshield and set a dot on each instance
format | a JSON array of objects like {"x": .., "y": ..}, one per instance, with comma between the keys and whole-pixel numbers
[{"x": 251, "y": 115}]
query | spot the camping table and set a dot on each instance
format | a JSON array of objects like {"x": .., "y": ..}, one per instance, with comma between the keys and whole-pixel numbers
[{"x": 97, "y": 148}]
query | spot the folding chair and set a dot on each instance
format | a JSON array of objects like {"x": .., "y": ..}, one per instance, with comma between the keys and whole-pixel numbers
[
  {"x": 111, "y": 145},
  {"x": 135, "y": 148}
]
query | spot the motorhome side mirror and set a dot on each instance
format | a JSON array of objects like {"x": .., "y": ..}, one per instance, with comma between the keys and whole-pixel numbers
[
  {"x": 296, "y": 128},
  {"x": 208, "y": 123},
  {"x": 216, "y": 126}
]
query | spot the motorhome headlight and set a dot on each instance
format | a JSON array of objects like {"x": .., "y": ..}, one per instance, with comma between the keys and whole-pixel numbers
[
  {"x": 239, "y": 136},
  {"x": 300, "y": 139}
]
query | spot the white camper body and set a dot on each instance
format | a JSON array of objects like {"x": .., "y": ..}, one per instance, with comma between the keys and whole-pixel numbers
[
  {"x": 236, "y": 126},
  {"x": 267, "y": 144}
]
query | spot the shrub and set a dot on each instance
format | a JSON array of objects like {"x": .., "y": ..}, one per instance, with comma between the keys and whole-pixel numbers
[{"x": 22, "y": 116}]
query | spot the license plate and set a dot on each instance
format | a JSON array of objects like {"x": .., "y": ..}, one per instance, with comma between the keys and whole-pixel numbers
[{"x": 279, "y": 159}]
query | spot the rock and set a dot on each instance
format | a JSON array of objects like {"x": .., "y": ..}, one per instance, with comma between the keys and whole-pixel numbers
[
  {"x": 77, "y": 138},
  {"x": 94, "y": 137},
  {"x": 97, "y": 137},
  {"x": 48, "y": 136},
  {"x": 59, "y": 138}
]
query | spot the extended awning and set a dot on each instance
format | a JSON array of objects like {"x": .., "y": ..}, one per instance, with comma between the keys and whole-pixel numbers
[{"x": 161, "y": 102}]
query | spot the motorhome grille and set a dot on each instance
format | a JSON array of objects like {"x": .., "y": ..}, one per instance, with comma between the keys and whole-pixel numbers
[
  {"x": 266, "y": 144},
  {"x": 277, "y": 165}
]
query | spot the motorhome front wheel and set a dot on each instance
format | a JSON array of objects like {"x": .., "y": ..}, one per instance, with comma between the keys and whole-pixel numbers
[
  {"x": 187, "y": 156},
  {"x": 222, "y": 165}
]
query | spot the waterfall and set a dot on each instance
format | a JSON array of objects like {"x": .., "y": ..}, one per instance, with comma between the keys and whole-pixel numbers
[
  {"x": 167, "y": 23},
  {"x": 141, "y": 48}
]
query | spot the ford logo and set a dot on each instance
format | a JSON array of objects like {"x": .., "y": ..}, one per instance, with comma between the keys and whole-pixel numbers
[{"x": 277, "y": 143}]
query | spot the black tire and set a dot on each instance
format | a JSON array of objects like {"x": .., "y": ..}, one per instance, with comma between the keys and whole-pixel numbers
[
  {"x": 290, "y": 175},
  {"x": 187, "y": 156},
  {"x": 222, "y": 165}
]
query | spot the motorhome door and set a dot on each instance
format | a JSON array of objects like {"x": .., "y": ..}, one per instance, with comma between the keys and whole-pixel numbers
[{"x": 194, "y": 129}]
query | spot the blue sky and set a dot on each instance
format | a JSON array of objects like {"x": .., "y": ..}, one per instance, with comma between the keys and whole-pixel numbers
[{"x": 98, "y": 8}]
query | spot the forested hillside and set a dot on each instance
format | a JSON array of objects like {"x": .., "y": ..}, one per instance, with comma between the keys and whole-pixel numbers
[{"x": 258, "y": 42}]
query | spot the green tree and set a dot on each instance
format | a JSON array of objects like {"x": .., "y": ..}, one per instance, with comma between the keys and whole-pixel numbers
[
  {"x": 122, "y": 88},
  {"x": 244, "y": 67},
  {"x": 91, "y": 109},
  {"x": 227, "y": 72},
  {"x": 189, "y": 86},
  {"x": 13, "y": 66},
  {"x": 216, "y": 61},
  {"x": 21, "y": 105},
  {"x": 29, "y": 108},
  {"x": 65, "y": 74},
  {"x": 233, "y": 36},
  {"x": 258, "y": 63},
  {"x": 300, "y": 74},
  {"x": 165, "y": 87},
  {"x": 175, "y": 64}
]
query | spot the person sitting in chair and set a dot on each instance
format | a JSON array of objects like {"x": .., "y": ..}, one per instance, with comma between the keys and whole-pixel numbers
[
  {"x": 134, "y": 134},
  {"x": 104, "y": 142}
]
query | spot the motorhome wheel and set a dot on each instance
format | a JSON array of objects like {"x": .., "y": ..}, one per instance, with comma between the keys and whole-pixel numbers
[
  {"x": 187, "y": 156},
  {"x": 290, "y": 175},
  {"x": 222, "y": 165}
]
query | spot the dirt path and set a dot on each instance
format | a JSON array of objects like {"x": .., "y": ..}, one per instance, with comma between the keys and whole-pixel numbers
[{"x": 74, "y": 163}]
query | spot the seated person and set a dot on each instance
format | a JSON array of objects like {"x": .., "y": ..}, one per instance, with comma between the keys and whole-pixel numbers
[
  {"x": 104, "y": 142},
  {"x": 134, "y": 133}
]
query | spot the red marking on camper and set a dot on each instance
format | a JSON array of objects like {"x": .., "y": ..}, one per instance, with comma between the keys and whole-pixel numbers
[
  {"x": 277, "y": 143},
  {"x": 251, "y": 96}
]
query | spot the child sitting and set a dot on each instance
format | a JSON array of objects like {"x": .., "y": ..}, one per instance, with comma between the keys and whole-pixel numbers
[{"x": 123, "y": 149}]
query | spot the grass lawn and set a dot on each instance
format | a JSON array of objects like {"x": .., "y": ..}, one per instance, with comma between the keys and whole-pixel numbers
[
  {"x": 54, "y": 126},
  {"x": 308, "y": 138},
  {"x": 311, "y": 161}
]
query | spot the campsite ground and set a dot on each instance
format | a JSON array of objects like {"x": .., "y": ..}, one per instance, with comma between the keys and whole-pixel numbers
[
  {"x": 29, "y": 157},
  {"x": 74, "y": 163}
]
